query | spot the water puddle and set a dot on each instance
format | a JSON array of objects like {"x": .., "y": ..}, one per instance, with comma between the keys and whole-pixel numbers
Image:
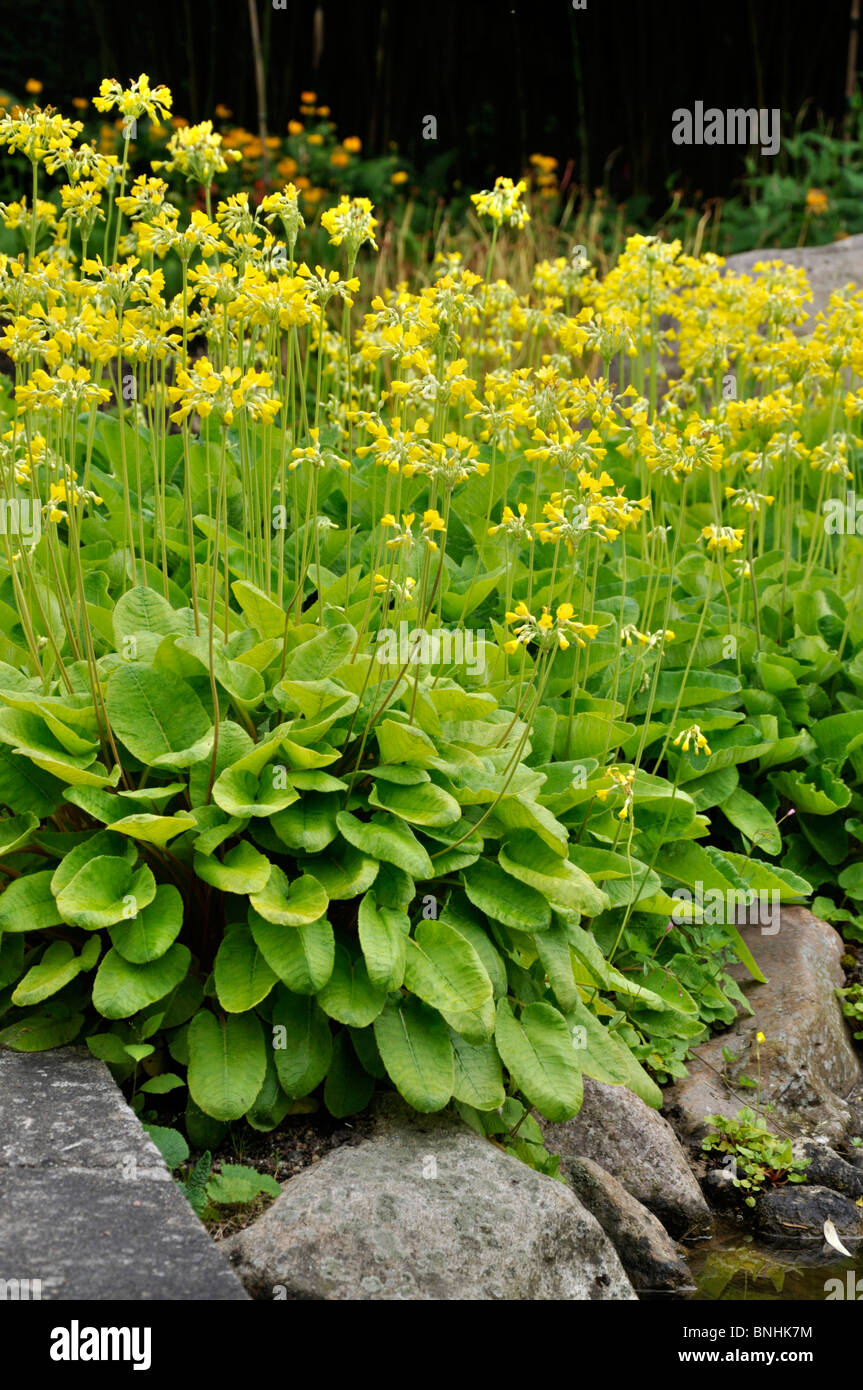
[{"x": 734, "y": 1266}]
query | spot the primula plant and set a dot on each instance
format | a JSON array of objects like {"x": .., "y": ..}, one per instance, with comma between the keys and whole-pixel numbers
[
  {"x": 268, "y": 825},
  {"x": 760, "y": 1158}
]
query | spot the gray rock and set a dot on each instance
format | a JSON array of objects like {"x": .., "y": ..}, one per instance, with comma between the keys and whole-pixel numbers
[
  {"x": 62, "y": 1109},
  {"x": 647, "y": 1252},
  {"x": 617, "y": 1130},
  {"x": 796, "y": 1216},
  {"x": 809, "y": 1067},
  {"x": 93, "y": 1236},
  {"x": 426, "y": 1209},
  {"x": 827, "y": 1169},
  {"x": 828, "y": 268},
  {"x": 87, "y": 1205}
]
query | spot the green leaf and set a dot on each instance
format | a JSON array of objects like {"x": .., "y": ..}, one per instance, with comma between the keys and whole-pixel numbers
[
  {"x": 349, "y": 995},
  {"x": 310, "y": 823},
  {"x": 527, "y": 858},
  {"x": 443, "y": 969},
  {"x": 153, "y": 830},
  {"x": 58, "y": 966},
  {"x": 265, "y": 616},
  {"x": 241, "y": 973},
  {"x": 158, "y": 716},
  {"x": 477, "y": 1076},
  {"x": 424, "y": 804},
  {"x": 227, "y": 1063},
  {"x": 302, "y": 1043},
  {"x": 538, "y": 1052},
  {"x": 105, "y": 891},
  {"x": 15, "y": 831},
  {"x": 386, "y": 837},
  {"x": 147, "y": 936},
  {"x": 504, "y": 898},
  {"x": 348, "y": 1087},
  {"x": 414, "y": 1044},
  {"x": 606, "y": 1057},
  {"x": 28, "y": 904},
  {"x": 170, "y": 1143},
  {"x": 243, "y": 869},
  {"x": 120, "y": 988},
  {"x": 39, "y": 1032},
  {"x": 290, "y": 905},
  {"x": 236, "y": 1185},
  {"x": 751, "y": 817},
  {"x": 302, "y": 957},
  {"x": 383, "y": 932}
]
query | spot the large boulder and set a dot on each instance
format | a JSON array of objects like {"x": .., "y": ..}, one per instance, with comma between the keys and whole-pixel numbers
[
  {"x": 647, "y": 1252},
  {"x": 637, "y": 1146},
  {"x": 426, "y": 1209},
  {"x": 797, "y": 1215},
  {"x": 809, "y": 1070},
  {"x": 828, "y": 268}
]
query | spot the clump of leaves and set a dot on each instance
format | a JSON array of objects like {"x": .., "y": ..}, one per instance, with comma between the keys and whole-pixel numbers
[
  {"x": 235, "y": 1185},
  {"x": 759, "y": 1157},
  {"x": 851, "y": 1002}
]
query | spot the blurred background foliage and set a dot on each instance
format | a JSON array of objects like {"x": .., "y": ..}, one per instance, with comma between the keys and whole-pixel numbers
[{"x": 590, "y": 90}]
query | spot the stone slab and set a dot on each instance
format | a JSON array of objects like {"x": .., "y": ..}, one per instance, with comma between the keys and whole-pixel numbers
[{"x": 87, "y": 1205}]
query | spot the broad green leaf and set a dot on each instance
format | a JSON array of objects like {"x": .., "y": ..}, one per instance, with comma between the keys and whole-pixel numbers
[
  {"x": 383, "y": 933},
  {"x": 58, "y": 966},
  {"x": 477, "y": 1075},
  {"x": 415, "y": 1047},
  {"x": 751, "y": 817},
  {"x": 243, "y": 870},
  {"x": 308, "y": 824},
  {"x": 28, "y": 904},
  {"x": 148, "y": 935},
  {"x": 386, "y": 837},
  {"x": 39, "y": 1032},
  {"x": 227, "y": 1062},
  {"x": 170, "y": 1142},
  {"x": 538, "y": 1052},
  {"x": 526, "y": 857},
  {"x": 120, "y": 988},
  {"x": 424, "y": 804},
  {"x": 442, "y": 968},
  {"x": 349, "y": 995},
  {"x": 302, "y": 957},
  {"x": 153, "y": 830},
  {"x": 105, "y": 891},
  {"x": 604, "y": 1056},
  {"x": 290, "y": 904},
  {"x": 158, "y": 716},
  {"x": 242, "y": 976},
  {"x": 348, "y": 1087},
  {"x": 302, "y": 1043},
  {"x": 504, "y": 898}
]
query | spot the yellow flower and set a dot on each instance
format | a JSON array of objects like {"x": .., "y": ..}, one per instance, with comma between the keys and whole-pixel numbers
[
  {"x": 295, "y": 127},
  {"x": 816, "y": 201},
  {"x": 760, "y": 1038},
  {"x": 353, "y": 144},
  {"x": 399, "y": 177},
  {"x": 33, "y": 86}
]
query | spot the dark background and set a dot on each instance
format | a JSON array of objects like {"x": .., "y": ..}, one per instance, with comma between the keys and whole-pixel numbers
[{"x": 505, "y": 78}]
